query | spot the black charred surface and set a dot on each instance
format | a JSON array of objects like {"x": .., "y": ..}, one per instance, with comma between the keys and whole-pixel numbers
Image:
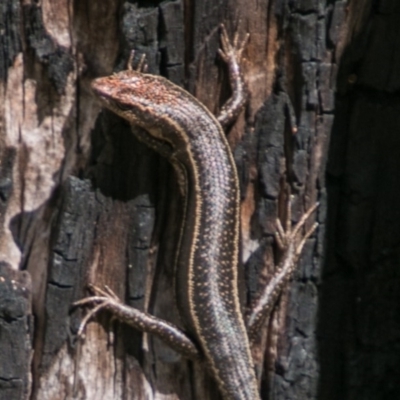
[
  {"x": 15, "y": 333},
  {"x": 57, "y": 59},
  {"x": 139, "y": 32},
  {"x": 270, "y": 129},
  {"x": 6, "y": 181},
  {"x": 172, "y": 44},
  {"x": 72, "y": 236},
  {"x": 10, "y": 39},
  {"x": 297, "y": 112}
]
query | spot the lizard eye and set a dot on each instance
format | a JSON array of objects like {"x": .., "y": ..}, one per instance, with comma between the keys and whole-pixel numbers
[{"x": 123, "y": 107}]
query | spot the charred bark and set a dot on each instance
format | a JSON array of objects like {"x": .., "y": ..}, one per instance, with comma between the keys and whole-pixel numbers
[{"x": 81, "y": 200}]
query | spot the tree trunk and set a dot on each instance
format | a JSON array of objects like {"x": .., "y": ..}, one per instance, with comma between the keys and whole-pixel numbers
[{"x": 83, "y": 201}]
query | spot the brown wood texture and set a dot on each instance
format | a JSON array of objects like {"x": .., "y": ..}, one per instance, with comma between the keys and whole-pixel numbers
[{"x": 81, "y": 200}]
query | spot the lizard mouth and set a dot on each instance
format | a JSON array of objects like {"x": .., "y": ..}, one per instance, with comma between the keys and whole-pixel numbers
[
  {"x": 100, "y": 85},
  {"x": 104, "y": 90}
]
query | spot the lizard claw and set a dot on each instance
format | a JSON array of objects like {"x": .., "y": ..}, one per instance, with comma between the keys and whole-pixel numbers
[
  {"x": 102, "y": 298},
  {"x": 285, "y": 236},
  {"x": 228, "y": 52},
  {"x": 141, "y": 67},
  {"x": 288, "y": 235}
]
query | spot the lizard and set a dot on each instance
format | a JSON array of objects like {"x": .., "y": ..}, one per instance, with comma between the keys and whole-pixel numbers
[{"x": 183, "y": 130}]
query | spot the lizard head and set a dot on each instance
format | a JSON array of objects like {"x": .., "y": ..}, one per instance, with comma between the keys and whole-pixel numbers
[
  {"x": 141, "y": 99},
  {"x": 167, "y": 112}
]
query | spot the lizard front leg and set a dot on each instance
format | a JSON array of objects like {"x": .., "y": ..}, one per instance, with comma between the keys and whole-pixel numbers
[{"x": 140, "y": 320}]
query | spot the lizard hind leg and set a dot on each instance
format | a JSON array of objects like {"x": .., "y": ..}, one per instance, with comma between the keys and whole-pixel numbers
[{"x": 290, "y": 241}]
